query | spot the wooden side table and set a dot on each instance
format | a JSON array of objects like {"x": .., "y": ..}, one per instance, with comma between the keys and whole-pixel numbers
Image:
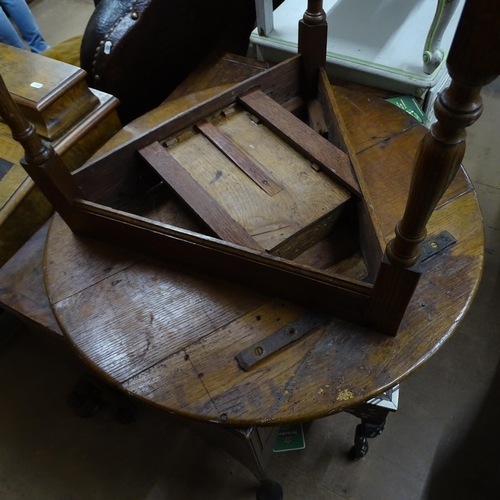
[{"x": 170, "y": 338}]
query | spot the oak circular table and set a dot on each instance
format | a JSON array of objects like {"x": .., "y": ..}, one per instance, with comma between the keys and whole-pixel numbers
[{"x": 170, "y": 337}]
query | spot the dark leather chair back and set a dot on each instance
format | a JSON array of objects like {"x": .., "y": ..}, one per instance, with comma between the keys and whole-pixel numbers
[{"x": 140, "y": 50}]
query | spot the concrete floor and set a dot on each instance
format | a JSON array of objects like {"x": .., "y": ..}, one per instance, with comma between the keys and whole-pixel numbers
[{"x": 440, "y": 445}]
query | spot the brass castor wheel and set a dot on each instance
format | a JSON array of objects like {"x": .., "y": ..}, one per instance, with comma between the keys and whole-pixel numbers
[{"x": 269, "y": 490}]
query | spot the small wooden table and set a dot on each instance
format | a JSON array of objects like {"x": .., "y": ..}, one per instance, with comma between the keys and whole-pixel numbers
[{"x": 170, "y": 338}]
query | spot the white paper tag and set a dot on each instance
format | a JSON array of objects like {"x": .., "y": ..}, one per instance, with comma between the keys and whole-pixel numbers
[{"x": 36, "y": 85}]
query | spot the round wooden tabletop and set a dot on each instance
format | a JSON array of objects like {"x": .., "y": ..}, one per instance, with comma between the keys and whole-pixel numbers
[{"x": 170, "y": 337}]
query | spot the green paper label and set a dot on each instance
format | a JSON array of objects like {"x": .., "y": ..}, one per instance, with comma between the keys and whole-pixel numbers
[
  {"x": 410, "y": 105},
  {"x": 290, "y": 437}
]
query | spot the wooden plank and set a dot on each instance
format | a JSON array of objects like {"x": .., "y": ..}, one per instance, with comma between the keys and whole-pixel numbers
[
  {"x": 284, "y": 224},
  {"x": 22, "y": 289},
  {"x": 119, "y": 170},
  {"x": 150, "y": 325},
  {"x": 300, "y": 136},
  {"x": 222, "y": 376},
  {"x": 246, "y": 164},
  {"x": 173, "y": 379},
  {"x": 94, "y": 257},
  {"x": 345, "y": 297},
  {"x": 368, "y": 119},
  {"x": 216, "y": 70},
  {"x": 371, "y": 236},
  {"x": 212, "y": 214}
]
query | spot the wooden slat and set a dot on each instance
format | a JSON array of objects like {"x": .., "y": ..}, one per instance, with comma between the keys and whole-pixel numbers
[
  {"x": 305, "y": 140},
  {"x": 216, "y": 218},
  {"x": 118, "y": 171},
  {"x": 240, "y": 159},
  {"x": 371, "y": 236},
  {"x": 345, "y": 297},
  {"x": 22, "y": 289},
  {"x": 286, "y": 223}
]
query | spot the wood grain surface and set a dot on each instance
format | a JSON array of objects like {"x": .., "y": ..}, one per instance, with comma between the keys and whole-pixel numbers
[
  {"x": 206, "y": 207},
  {"x": 170, "y": 337},
  {"x": 301, "y": 137},
  {"x": 52, "y": 95},
  {"x": 274, "y": 219},
  {"x": 22, "y": 288}
]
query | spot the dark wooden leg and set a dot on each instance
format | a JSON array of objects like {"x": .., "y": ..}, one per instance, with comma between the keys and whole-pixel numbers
[
  {"x": 313, "y": 32},
  {"x": 251, "y": 446}
]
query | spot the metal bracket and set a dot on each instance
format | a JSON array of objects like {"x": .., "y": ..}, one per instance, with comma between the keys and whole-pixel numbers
[
  {"x": 298, "y": 328},
  {"x": 280, "y": 338},
  {"x": 433, "y": 246}
]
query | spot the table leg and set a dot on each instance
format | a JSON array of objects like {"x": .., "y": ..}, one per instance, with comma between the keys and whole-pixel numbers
[
  {"x": 373, "y": 415},
  {"x": 368, "y": 428}
]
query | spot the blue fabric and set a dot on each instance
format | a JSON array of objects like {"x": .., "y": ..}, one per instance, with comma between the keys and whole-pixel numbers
[{"x": 21, "y": 16}]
